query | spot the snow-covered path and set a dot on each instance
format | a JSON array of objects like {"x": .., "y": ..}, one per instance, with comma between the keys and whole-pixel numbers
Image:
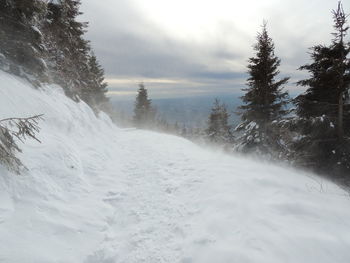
[
  {"x": 179, "y": 203},
  {"x": 150, "y": 199},
  {"x": 95, "y": 193}
]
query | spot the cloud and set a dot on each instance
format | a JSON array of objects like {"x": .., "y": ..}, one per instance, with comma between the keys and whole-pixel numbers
[{"x": 189, "y": 47}]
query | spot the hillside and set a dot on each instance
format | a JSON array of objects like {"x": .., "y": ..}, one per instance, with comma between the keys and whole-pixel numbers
[{"x": 95, "y": 193}]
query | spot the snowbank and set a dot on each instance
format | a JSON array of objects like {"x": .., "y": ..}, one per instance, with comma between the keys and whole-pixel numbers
[{"x": 97, "y": 193}]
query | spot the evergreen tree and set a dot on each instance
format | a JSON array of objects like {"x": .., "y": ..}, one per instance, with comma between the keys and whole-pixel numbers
[
  {"x": 184, "y": 131},
  {"x": 219, "y": 131},
  {"x": 95, "y": 92},
  {"x": 264, "y": 100},
  {"x": 21, "y": 40},
  {"x": 68, "y": 52},
  {"x": 44, "y": 38},
  {"x": 176, "y": 128},
  {"x": 323, "y": 104},
  {"x": 163, "y": 125},
  {"x": 144, "y": 114}
]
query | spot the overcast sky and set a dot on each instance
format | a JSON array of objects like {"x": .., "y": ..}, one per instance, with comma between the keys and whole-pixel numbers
[{"x": 198, "y": 47}]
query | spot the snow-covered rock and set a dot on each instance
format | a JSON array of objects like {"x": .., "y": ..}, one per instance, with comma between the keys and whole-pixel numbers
[{"x": 95, "y": 193}]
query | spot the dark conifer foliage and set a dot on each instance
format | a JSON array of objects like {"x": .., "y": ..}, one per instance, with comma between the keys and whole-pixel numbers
[
  {"x": 43, "y": 41},
  {"x": 325, "y": 102},
  {"x": 264, "y": 100},
  {"x": 68, "y": 51},
  {"x": 144, "y": 114},
  {"x": 96, "y": 88},
  {"x": 21, "y": 46},
  {"x": 219, "y": 131}
]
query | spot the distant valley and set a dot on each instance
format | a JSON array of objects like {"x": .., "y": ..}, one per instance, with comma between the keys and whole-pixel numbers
[{"x": 189, "y": 111}]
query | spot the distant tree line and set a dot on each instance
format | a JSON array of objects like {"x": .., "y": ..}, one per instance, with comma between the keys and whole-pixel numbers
[
  {"x": 314, "y": 134},
  {"x": 43, "y": 41}
]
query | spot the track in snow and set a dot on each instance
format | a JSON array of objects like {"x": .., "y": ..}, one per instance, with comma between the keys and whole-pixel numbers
[{"x": 95, "y": 193}]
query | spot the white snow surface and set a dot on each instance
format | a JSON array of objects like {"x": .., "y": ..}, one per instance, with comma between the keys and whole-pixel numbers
[{"x": 96, "y": 193}]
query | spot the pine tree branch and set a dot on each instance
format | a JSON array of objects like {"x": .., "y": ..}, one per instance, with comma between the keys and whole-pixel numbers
[{"x": 24, "y": 127}]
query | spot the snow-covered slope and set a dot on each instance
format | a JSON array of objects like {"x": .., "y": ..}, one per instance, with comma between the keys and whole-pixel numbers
[{"x": 95, "y": 193}]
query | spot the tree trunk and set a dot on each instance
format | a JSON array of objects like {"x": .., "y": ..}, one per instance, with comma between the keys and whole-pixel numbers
[{"x": 340, "y": 117}]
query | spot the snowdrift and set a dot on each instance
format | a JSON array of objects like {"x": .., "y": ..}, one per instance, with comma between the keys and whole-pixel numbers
[{"x": 95, "y": 193}]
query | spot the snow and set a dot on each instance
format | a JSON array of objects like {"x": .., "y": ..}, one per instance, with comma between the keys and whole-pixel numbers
[
  {"x": 95, "y": 193},
  {"x": 55, "y": 2},
  {"x": 37, "y": 30}
]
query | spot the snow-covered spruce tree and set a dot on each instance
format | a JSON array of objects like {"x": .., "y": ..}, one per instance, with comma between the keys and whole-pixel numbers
[
  {"x": 95, "y": 92},
  {"x": 264, "y": 101},
  {"x": 71, "y": 61},
  {"x": 68, "y": 52},
  {"x": 324, "y": 110},
  {"x": 10, "y": 130},
  {"x": 184, "y": 131},
  {"x": 161, "y": 124},
  {"x": 21, "y": 45},
  {"x": 144, "y": 114},
  {"x": 219, "y": 131},
  {"x": 44, "y": 38}
]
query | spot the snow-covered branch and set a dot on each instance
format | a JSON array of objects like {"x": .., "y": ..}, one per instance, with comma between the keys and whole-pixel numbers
[{"x": 12, "y": 129}]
